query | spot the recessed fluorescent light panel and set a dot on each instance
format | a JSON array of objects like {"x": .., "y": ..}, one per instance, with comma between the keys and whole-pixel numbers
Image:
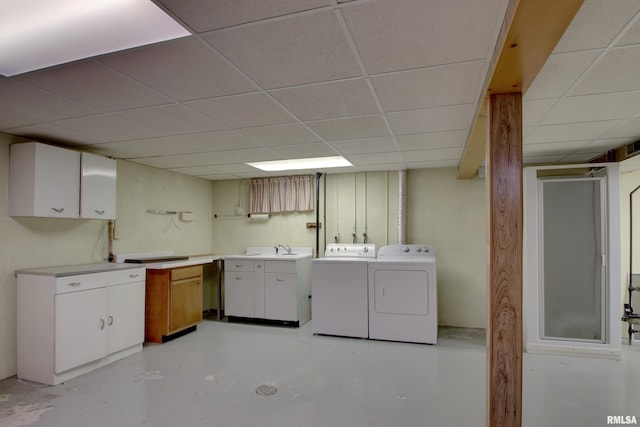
[
  {"x": 36, "y": 34},
  {"x": 296, "y": 164}
]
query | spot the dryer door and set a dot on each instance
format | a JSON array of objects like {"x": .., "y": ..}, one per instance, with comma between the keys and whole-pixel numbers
[{"x": 401, "y": 292}]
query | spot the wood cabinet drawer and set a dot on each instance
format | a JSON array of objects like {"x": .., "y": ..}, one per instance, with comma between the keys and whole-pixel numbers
[
  {"x": 83, "y": 282},
  {"x": 280, "y": 267},
  {"x": 181, "y": 273}
]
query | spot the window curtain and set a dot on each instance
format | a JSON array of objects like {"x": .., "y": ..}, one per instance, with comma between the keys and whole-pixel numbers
[{"x": 282, "y": 194}]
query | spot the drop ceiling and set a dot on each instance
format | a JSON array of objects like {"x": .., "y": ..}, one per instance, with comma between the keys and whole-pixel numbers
[{"x": 388, "y": 84}]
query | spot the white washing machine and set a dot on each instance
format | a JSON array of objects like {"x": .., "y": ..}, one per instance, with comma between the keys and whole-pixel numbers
[
  {"x": 403, "y": 303},
  {"x": 339, "y": 288}
]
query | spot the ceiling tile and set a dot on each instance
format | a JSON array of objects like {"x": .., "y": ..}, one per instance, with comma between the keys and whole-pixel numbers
[
  {"x": 431, "y": 140},
  {"x": 299, "y": 151},
  {"x": 208, "y": 15},
  {"x": 596, "y": 24},
  {"x": 632, "y": 35},
  {"x": 430, "y": 87},
  {"x": 585, "y": 108},
  {"x": 542, "y": 160},
  {"x": 552, "y": 148},
  {"x": 558, "y": 74},
  {"x": 107, "y": 127},
  {"x": 366, "y": 145},
  {"x": 304, "y": 49},
  {"x": 171, "y": 119},
  {"x": 605, "y": 144},
  {"x": 570, "y": 132},
  {"x": 94, "y": 84},
  {"x": 534, "y": 110},
  {"x": 432, "y": 155},
  {"x": 236, "y": 168},
  {"x": 10, "y": 119},
  {"x": 374, "y": 158},
  {"x": 217, "y": 141},
  {"x": 143, "y": 148},
  {"x": 183, "y": 69},
  {"x": 383, "y": 167},
  {"x": 433, "y": 164},
  {"x": 350, "y": 128},
  {"x": 55, "y": 133},
  {"x": 27, "y": 101},
  {"x": 238, "y": 111},
  {"x": 456, "y": 117},
  {"x": 287, "y": 134},
  {"x": 328, "y": 100},
  {"x": 580, "y": 157},
  {"x": 617, "y": 71},
  {"x": 404, "y": 34},
  {"x": 197, "y": 170},
  {"x": 629, "y": 129}
]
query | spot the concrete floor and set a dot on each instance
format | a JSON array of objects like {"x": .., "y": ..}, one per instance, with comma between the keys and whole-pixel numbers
[{"x": 210, "y": 378}]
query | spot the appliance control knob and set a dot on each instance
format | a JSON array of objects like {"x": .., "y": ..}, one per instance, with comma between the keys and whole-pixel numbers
[
  {"x": 419, "y": 249},
  {"x": 426, "y": 249},
  {"x": 331, "y": 250},
  {"x": 405, "y": 249},
  {"x": 365, "y": 249},
  {"x": 344, "y": 249}
]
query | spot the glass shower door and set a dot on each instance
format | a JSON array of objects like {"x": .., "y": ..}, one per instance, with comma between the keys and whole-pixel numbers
[{"x": 573, "y": 236}]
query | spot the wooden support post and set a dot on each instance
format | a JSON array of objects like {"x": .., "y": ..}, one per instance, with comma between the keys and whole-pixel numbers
[{"x": 504, "y": 334}]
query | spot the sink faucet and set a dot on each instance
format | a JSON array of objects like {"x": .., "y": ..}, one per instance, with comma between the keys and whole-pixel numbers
[{"x": 285, "y": 247}]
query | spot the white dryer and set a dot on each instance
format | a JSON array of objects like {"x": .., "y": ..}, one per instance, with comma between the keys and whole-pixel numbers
[
  {"x": 339, "y": 288},
  {"x": 403, "y": 303}
]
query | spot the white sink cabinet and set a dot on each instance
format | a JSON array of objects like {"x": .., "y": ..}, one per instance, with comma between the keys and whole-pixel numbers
[
  {"x": 71, "y": 324},
  {"x": 268, "y": 287}
]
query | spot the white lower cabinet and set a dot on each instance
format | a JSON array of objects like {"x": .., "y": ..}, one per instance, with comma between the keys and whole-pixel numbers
[
  {"x": 71, "y": 325},
  {"x": 268, "y": 289}
]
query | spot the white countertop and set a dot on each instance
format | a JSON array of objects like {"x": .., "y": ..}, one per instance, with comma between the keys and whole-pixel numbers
[
  {"x": 72, "y": 270},
  {"x": 269, "y": 253},
  {"x": 195, "y": 260}
]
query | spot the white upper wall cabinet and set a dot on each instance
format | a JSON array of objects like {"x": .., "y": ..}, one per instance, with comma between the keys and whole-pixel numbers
[
  {"x": 97, "y": 187},
  {"x": 44, "y": 181}
]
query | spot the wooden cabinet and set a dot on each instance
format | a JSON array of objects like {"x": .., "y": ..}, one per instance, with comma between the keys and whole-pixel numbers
[
  {"x": 73, "y": 324},
  {"x": 174, "y": 301},
  {"x": 97, "y": 187},
  {"x": 268, "y": 289},
  {"x": 44, "y": 181}
]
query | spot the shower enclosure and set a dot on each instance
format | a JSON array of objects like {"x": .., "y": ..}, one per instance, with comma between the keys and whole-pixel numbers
[{"x": 572, "y": 261}]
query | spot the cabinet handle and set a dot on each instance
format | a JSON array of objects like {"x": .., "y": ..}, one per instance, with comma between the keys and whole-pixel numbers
[
  {"x": 74, "y": 284},
  {"x": 133, "y": 276},
  {"x": 110, "y": 319},
  {"x": 101, "y": 323},
  {"x": 279, "y": 280},
  {"x": 238, "y": 278},
  {"x": 59, "y": 210},
  {"x": 238, "y": 265},
  {"x": 99, "y": 211}
]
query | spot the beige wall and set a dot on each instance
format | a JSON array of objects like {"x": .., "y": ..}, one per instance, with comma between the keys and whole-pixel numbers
[
  {"x": 38, "y": 242},
  {"x": 442, "y": 211}
]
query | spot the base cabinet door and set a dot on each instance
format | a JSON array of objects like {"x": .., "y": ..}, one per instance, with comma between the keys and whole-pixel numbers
[
  {"x": 80, "y": 328},
  {"x": 125, "y": 318},
  {"x": 281, "y": 296},
  {"x": 239, "y": 291},
  {"x": 186, "y": 303}
]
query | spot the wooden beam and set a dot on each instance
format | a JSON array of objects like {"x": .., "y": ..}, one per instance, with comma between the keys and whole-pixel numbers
[
  {"x": 530, "y": 31},
  {"x": 504, "y": 332}
]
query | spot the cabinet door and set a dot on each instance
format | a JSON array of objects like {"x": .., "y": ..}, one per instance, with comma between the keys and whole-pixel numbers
[
  {"x": 80, "y": 328},
  {"x": 125, "y": 316},
  {"x": 98, "y": 187},
  {"x": 239, "y": 293},
  {"x": 281, "y": 296},
  {"x": 185, "y": 305},
  {"x": 44, "y": 181}
]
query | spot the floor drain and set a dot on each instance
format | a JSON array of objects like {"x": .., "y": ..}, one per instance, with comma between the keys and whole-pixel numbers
[{"x": 266, "y": 390}]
